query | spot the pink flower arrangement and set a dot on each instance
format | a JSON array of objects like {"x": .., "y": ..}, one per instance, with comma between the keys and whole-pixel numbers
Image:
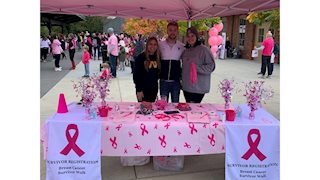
[
  {"x": 102, "y": 87},
  {"x": 226, "y": 87},
  {"x": 85, "y": 88},
  {"x": 255, "y": 93}
]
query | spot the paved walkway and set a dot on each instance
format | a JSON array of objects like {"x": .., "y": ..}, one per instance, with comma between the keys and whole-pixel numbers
[{"x": 122, "y": 89}]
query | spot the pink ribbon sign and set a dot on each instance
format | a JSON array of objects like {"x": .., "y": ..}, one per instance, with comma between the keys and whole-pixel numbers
[
  {"x": 211, "y": 139},
  {"x": 143, "y": 129},
  {"x": 162, "y": 141},
  {"x": 191, "y": 126},
  {"x": 114, "y": 142},
  {"x": 72, "y": 141},
  {"x": 254, "y": 146}
]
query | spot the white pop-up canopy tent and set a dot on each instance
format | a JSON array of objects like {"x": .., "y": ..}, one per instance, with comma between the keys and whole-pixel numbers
[{"x": 157, "y": 9}]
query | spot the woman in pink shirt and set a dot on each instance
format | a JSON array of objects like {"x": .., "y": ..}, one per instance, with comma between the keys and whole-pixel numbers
[
  {"x": 85, "y": 60},
  {"x": 266, "y": 47},
  {"x": 56, "y": 51}
]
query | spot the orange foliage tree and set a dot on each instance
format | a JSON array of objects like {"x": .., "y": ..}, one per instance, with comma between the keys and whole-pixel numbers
[{"x": 146, "y": 27}]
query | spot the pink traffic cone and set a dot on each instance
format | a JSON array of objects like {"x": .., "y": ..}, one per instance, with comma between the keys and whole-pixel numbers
[{"x": 62, "y": 106}]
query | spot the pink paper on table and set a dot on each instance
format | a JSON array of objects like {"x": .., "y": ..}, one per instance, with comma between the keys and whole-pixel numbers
[
  {"x": 198, "y": 117},
  {"x": 124, "y": 116}
]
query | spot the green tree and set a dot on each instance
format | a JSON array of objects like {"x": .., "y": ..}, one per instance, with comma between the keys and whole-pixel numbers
[
  {"x": 259, "y": 18},
  {"x": 91, "y": 24}
]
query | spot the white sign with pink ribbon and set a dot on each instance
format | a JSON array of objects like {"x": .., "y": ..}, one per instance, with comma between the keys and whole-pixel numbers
[
  {"x": 252, "y": 152},
  {"x": 73, "y": 150}
]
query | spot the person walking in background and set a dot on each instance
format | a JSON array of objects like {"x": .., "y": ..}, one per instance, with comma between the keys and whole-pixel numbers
[
  {"x": 122, "y": 56},
  {"x": 44, "y": 48},
  {"x": 56, "y": 51},
  {"x": 89, "y": 43},
  {"x": 62, "y": 39},
  {"x": 266, "y": 47},
  {"x": 113, "y": 51},
  {"x": 146, "y": 72},
  {"x": 170, "y": 76},
  {"x": 275, "y": 53},
  {"x": 197, "y": 65},
  {"x": 72, "y": 50},
  {"x": 86, "y": 60},
  {"x": 138, "y": 47}
]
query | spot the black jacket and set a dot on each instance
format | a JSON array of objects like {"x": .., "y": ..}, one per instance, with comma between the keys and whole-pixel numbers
[{"x": 170, "y": 70}]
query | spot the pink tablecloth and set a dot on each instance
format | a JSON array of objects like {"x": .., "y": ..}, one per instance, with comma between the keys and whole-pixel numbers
[{"x": 145, "y": 135}]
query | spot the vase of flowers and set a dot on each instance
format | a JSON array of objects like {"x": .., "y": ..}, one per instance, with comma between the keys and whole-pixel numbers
[
  {"x": 226, "y": 87},
  {"x": 102, "y": 88}
]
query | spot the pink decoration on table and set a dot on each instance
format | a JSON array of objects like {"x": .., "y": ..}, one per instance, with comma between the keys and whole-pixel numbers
[
  {"x": 212, "y": 140},
  {"x": 187, "y": 145},
  {"x": 213, "y": 31},
  {"x": 118, "y": 127},
  {"x": 192, "y": 128},
  {"x": 255, "y": 93},
  {"x": 254, "y": 146},
  {"x": 215, "y": 125},
  {"x": 230, "y": 114},
  {"x": 179, "y": 132},
  {"x": 167, "y": 125},
  {"x": 137, "y": 147},
  {"x": 130, "y": 134},
  {"x": 161, "y": 104},
  {"x": 193, "y": 74},
  {"x": 62, "y": 105},
  {"x": 143, "y": 129},
  {"x": 102, "y": 87},
  {"x": 72, "y": 141},
  {"x": 177, "y": 116},
  {"x": 85, "y": 88},
  {"x": 162, "y": 141},
  {"x": 162, "y": 117},
  {"x": 103, "y": 111},
  {"x": 226, "y": 87},
  {"x": 114, "y": 142}
]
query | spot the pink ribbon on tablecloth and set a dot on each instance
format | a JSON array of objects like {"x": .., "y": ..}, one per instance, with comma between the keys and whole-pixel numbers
[
  {"x": 192, "y": 128},
  {"x": 175, "y": 149},
  {"x": 137, "y": 147},
  {"x": 163, "y": 142},
  {"x": 118, "y": 127},
  {"x": 215, "y": 125},
  {"x": 179, "y": 132},
  {"x": 193, "y": 74},
  {"x": 156, "y": 126},
  {"x": 143, "y": 129},
  {"x": 72, "y": 141},
  {"x": 167, "y": 125},
  {"x": 198, "y": 151},
  {"x": 187, "y": 145},
  {"x": 212, "y": 141},
  {"x": 254, "y": 146},
  {"x": 114, "y": 142},
  {"x": 149, "y": 151},
  {"x": 125, "y": 151}
]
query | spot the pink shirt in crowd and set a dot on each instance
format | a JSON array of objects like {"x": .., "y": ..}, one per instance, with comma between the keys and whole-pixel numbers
[
  {"x": 86, "y": 57},
  {"x": 113, "y": 41},
  {"x": 56, "y": 46},
  {"x": 268, "y": 44}
]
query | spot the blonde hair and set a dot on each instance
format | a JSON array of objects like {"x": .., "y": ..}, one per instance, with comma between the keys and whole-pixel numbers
[
  {"x": 105, "y": 65},
  {"x": 86, "y": 47},
  {"x": 146, "y": 54}
]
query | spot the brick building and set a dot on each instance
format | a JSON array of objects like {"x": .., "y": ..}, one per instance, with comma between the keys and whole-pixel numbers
[{"x": 245, "y": 35}]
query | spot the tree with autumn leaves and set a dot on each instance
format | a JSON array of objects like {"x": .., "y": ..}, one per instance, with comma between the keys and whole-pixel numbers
[{"x": 146, "y": 27}]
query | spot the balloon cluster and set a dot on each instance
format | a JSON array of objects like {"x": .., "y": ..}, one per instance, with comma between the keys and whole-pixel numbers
[{"x": 215, "y": 40}]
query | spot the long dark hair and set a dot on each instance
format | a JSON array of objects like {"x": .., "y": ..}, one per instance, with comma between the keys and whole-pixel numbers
[
  {"x": 146, "y": 54},
  {"x": 194, "y": 31}
]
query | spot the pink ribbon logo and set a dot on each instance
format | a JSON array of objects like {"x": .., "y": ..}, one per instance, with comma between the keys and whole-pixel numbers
[
  {"x": 198, "y": 151},
  {"x": 137, "y": 147},
  {"x": 204, "y": 126},
  {"x": 215, "y": 125},
  {"x": 143, "y": 129},
  {"x": 149, "y": 151},
  {"x": 130, "y": 134},
  {"x": 163, "y": 142},
  {"x": 156, "y": 126},
  {"x": 191, "y": 126},
  {"x": 118, "y": 127},
  {"x": 125, "y": 151},
  {"x": 167, "y": 125},
  {"x": 72, "y": 141},
  {"x": 212, "y": 141},
  {"x": 254, "y": 146},
  {"x": 175, "y": 149},
  {"x": 114, "y": 142},
  {"x": 179, "y": 133},
  {"x": 187, "y": 145}
]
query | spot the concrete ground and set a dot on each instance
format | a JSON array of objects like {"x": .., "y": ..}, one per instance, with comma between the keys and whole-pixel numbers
[{"x": 122, "y": 89}]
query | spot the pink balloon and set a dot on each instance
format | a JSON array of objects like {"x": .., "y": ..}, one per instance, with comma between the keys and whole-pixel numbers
[
  {"x": 214, "y": 48},
  {"x": 214, "y": 54},
  {"x": 213, "y": 31},
  {"x": 219, "y": 27},
  {"x": 219, "y": 39},
  {"x": 213, "y": 40}
]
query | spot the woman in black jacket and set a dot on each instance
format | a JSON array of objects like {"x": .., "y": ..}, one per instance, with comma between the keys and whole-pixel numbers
[{"x": 146, "y": 72}]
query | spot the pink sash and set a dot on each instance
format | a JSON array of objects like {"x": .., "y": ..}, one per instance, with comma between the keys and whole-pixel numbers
[{"x": 193, "y": 74}]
